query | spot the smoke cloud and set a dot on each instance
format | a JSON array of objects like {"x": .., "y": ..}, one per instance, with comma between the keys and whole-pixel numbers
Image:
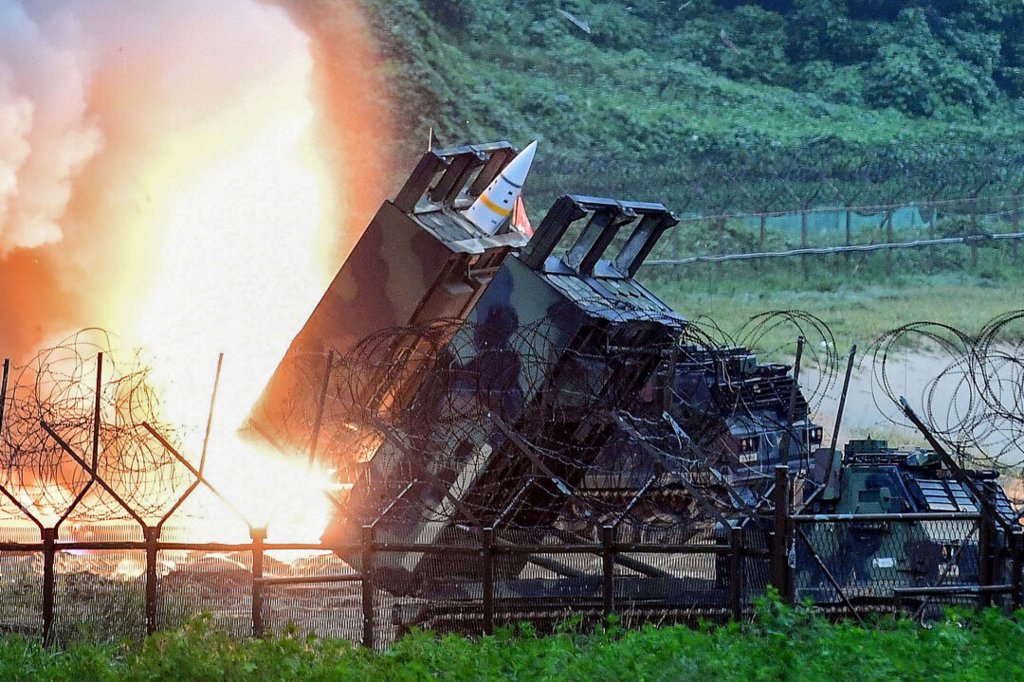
[{"x": 45, "y": 135}]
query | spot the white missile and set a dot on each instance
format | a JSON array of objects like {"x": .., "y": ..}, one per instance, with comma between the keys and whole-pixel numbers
[{"x": 492, "y": 208}]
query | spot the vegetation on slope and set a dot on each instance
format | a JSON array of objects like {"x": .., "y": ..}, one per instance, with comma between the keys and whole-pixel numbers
[{"x": 702, "y": 103}]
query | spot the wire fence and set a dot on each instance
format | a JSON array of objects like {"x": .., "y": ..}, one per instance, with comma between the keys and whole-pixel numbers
[
  {"x": 989, "y": 226},
  {"x": 93, "y": 541},
  {"x": 115, "y": 590}
]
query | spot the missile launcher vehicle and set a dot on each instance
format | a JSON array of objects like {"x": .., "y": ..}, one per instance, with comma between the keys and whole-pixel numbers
[
  {"x": 565, "y": 398},
  {"x": 419, "y": 261},
  {"x": 465, "y": 382}
]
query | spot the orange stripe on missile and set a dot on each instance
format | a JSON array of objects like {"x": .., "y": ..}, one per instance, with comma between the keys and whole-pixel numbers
[{"x": 485, "y": 200}]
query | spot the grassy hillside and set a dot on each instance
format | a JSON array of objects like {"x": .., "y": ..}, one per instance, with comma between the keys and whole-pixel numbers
[{"x": 702, "y": 104}]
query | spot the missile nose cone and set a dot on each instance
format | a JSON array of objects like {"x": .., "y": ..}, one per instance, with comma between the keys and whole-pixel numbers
[
  {"x": 492, "y": 208},
  {"x": 517, "y": 169}
]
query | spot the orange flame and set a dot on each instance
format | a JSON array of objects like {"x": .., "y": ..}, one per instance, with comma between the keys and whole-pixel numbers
[
  {"x": 217, "y": 229},
  {"x": 239, "y": 265}
]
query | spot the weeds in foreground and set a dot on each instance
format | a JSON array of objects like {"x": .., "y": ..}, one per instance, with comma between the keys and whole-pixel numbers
[{"x": 780, "y": 642}]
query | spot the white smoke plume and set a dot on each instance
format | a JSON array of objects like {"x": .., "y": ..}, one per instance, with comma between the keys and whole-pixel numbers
[
  {"x": 46, "y": 136},
  {"x": 172, "y": 62}
]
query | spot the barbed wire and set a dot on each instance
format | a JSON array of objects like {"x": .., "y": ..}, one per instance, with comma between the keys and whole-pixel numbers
[
  {"x": 520, "y": 424},
  {"x": 827, "y": 250},
  {"x": 516, "y": 425},
  {"x": 973, "y": 395},
  {"x": 721, "y": 237},
  {"x": 56, "y": 392},
  {"x": 873, "y": 208}
]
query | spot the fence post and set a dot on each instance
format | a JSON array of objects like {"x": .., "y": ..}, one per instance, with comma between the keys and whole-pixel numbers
[
  {"x": 931, "y": 235},
  {"x": 986, "y": 548},
  {"x": 49, "y": 537},
  {"x": 1015, "y": 243},
  {"x": 608, "y": 571},
  {"x": 890, "y": 237},
  {"x": 736, "y": 571},
  {"x": 780, "y": 555},
  {"x": 849, "y": 234},
  {"x": 320, "y": 408},
  {"x": 151, "y": 534},
  {"x": 258, "y": 535},
  {"x": 720, "y": 248},
  {"x": 803, "y": 241},
  {"x": 974, "y": 232},
  {"x": 3, "y": 394},
  {"x": 1017, "y": 553},
  {"x": 367, "y": 562},
  {"x": 984, "y": 560},
  {"x": 488, "y": 580},
  {"x": 760, "y": 239}
]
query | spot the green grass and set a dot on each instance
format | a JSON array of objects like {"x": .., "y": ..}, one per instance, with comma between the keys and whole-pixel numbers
[
  {"x": 858, "y": 311},
  {"x": 780, "y": 644}
]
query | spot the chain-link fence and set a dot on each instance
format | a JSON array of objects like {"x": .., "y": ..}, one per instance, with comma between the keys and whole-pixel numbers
[{"x": 980, "y": 234}]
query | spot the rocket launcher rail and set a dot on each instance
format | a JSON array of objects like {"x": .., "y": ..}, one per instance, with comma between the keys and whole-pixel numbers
[
  {"x": 418, "y": 260},
  {"x": 514, "y": 422},
  {"x": 607, "y": 217}
]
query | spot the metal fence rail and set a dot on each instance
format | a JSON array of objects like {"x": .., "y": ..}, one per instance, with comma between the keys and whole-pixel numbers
[
  {"x": 133, "y": 605},
  {"x": 826, "y": 250},
  {"x": 726, "y": 236}
]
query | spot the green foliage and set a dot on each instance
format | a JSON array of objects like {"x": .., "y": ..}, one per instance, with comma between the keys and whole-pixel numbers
[
  {"x": 821, "y": 30},
  {"x": 723, "y": 104},
  {"x": 760, "y": 39},
  {"x": 921, "y": 74},
  {"x": 781, "y": 642}
]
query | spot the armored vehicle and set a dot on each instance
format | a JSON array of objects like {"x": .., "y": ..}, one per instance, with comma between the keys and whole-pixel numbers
[{"x": 894, "y": 519}]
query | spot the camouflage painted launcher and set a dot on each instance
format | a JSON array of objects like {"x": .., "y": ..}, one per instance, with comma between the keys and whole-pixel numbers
[
  {"x": 565, "y": 396},
  {"x": 418, "y": 260},
  {"x": 537, "y": 416}
]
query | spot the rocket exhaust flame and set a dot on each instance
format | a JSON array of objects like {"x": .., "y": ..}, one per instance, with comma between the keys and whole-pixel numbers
[{"x": 163, "y": 175}]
